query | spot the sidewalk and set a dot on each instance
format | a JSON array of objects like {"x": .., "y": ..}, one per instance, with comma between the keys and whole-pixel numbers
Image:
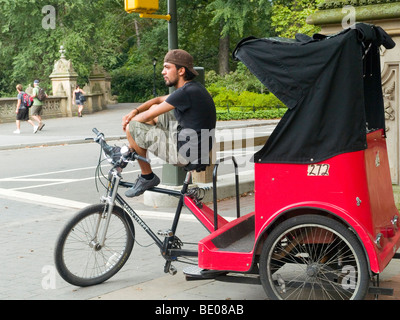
[
  {"x": 65, "y": 130},
  {"x": 75, "y": 130}
]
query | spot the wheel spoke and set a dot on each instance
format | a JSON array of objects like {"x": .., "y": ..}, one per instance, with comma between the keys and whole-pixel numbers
[
  {"x": 80, "y": 258},
  {"x": 313, "y": 261}
]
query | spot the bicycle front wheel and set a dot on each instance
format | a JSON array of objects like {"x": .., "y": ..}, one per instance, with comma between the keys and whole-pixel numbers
[{"x": 79, "y": 257}]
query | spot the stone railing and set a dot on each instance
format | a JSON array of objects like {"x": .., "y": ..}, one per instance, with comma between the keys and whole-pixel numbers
[
  {"x": 94, "y": 102},
  {"x": 54, "y": 107}
]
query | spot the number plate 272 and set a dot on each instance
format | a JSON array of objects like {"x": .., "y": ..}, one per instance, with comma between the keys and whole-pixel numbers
[{"x": 318, "y": 170}]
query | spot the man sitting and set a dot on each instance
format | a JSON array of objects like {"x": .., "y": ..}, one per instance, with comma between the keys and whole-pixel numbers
[{"x": 178, "y": 128}]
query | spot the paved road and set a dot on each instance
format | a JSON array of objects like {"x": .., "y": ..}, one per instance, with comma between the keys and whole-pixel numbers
[
  {"x": 41, "y": 187},
  {"x": 40, "y": 190},
  {"x": 46, "y": 178}
]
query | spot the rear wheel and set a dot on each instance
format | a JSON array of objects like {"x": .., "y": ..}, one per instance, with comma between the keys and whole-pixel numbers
[
  {"x": 79, "y": 257},
  {"x": 313, "y": 257}
]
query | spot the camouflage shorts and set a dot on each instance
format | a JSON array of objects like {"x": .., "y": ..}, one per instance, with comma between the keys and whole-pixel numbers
[{"x": 160, "y": 140}]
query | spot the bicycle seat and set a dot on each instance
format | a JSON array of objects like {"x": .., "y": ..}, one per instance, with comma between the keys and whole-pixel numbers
[{"x": 199, "y": 167}]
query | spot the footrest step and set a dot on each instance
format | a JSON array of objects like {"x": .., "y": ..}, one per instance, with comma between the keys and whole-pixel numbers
[{"x": 196, "y": 273}]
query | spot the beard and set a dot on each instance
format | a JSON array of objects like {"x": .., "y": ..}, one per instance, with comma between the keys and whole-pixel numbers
[{"x": 171, "y": 83}]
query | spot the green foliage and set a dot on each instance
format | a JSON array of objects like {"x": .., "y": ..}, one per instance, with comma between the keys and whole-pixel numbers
[
  {"x": 260, "y": 114},
  {"x": 88, "y": 32},
  {"x": 236, "y": 16},
  {"x": 239, "y": 80},
  {"x": 288, "y": 17},
  {"x": 229, "y": 99},
  {"x": 240, "y": 88},
  {"x": 124, "y": 44},
  {"x": 136, "y": 85}
]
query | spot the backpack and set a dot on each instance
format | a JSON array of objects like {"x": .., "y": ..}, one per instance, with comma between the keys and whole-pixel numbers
[
  {"x": 27, "y": 100},
  {"x": 41, "y": 94}
]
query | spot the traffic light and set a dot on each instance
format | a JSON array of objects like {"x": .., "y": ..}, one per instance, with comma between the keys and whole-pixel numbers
[{"x": 141, "y": 6}]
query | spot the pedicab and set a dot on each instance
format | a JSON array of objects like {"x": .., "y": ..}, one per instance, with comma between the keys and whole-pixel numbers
[{"x": 325, "y": 224}]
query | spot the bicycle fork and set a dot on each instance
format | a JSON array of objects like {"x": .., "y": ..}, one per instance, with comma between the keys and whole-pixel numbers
[{"x": 109, "y": 200}]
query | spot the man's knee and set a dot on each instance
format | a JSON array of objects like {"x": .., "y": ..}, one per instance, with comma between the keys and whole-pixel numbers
[
  {"x": 133, "y": 130},
  {"x": 155, "y": 120}
]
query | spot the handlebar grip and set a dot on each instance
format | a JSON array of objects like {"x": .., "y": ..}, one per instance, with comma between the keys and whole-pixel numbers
[
  {"x": 137, "y": 157},
  {"x": 95, "y": 131}
]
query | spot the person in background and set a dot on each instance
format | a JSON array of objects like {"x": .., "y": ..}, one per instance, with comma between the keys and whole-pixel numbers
[
  {"x": 77, "y": 99},
  {"x": 22, "y": 111},
  {"x": 37, "y": 107}
]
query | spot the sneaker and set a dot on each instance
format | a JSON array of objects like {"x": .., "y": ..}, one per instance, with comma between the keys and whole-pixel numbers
[
  {"x": 17, "y": 131},
  {"x": 35, "y": 129},
  {"x": 141, "y": 185},
  {"x": 41, "y": 126}
]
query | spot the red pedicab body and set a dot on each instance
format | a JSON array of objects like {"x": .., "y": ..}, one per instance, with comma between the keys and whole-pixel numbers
[
  {"x": 326, "y": 158},
  {"x": 353, "y": 187}
]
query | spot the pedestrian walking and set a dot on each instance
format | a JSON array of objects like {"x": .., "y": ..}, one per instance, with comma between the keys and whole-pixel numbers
[
  {"x": 79, "y": 99},
  {"x": 37, "y": 108},
  {"x": 22, "y": 111}
]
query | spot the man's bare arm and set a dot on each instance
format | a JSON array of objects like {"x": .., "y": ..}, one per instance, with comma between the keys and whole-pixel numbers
[
  {"x": 141, "y": 109},
  {"x": 153, "y": 112}
]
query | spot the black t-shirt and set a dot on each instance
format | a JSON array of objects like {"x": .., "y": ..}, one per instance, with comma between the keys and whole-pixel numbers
[{"x": 196, "y": 115}]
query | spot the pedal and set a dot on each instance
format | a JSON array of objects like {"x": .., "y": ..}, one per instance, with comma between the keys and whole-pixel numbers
[
  {"x": 172, "y": 270},
  {"x": 165, "y": 233},
  {"x": 169, "y": 268}
]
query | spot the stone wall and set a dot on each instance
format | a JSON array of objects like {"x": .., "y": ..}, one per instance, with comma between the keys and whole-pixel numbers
[{"x": 54, "y": 107}]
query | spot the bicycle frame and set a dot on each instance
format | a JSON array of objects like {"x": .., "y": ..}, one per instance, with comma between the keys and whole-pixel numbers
[
  {"x": 171, "y": 246},
  {"x": 168, "y": 252}
]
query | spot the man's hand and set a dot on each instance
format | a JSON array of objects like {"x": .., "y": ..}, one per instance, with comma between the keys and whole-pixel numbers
[
  {"x": 125, "y": 121},
  {"x": 144, "y": 107}
]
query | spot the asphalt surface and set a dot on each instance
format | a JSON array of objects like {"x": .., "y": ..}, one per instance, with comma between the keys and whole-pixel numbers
[
  {"x": 27, "y": 243},
  {"x": 32, "y": 216}
]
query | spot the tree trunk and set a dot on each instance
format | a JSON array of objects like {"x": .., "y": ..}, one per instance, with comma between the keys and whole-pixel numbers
[
  {"x": 137, "y": 33},
  {"x": 224, "y": 55}
]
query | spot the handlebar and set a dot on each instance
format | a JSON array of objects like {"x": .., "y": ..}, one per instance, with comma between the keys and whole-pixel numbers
[
  {"x": 115, "y": 152},
  {"x": 137, "y": 157}
]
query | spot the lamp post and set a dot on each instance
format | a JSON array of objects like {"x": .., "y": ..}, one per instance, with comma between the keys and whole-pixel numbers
[
  {"x": 172, "y": 30},
  {"x": 154, "y": 77}
]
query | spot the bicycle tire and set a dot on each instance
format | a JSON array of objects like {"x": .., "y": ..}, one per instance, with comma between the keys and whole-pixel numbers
[
  {"x": 313, "y": 257},
  {"x": 82, "y": 262}
]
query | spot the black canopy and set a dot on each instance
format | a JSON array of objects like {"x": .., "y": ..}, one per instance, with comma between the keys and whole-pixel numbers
[{"x": 331, "y": 86}]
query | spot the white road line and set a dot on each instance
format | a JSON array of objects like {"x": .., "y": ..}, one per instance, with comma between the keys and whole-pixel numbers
[
  {"x": 34, "y": 180},
  {"x": 76, "y": 205},
  {"x": 52, "y": 181},
  {"x": 49, "y": 173},
  {"x": 39, "y": 199}
]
